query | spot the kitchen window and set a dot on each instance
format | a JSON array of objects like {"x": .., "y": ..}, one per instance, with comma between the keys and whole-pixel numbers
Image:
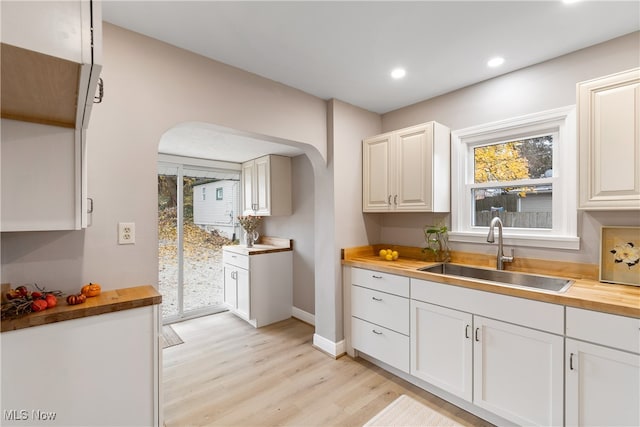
[{"x": 523, "y": 170}]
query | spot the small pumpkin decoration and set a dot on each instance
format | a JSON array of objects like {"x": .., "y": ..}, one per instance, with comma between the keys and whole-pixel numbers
[
  {"x": 76, "y": 299},
  {"x": 91, "y": 290}
]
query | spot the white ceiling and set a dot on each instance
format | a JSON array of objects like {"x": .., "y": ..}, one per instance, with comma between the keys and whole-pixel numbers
[{"x": 346, "y": 50}]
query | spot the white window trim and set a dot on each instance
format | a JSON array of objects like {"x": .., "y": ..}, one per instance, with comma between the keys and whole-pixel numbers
[{"x": 563, "y": 235}]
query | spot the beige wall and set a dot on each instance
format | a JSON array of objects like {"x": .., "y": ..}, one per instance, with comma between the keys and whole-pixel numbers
[
  {"x": 544, "y": 86},
  {"x": 300, "y": 228},
  {"x": 341, "y": 224}
]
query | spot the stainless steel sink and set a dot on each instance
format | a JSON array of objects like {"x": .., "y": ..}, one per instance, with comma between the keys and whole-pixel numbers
[{"x": 510, "y": 278}]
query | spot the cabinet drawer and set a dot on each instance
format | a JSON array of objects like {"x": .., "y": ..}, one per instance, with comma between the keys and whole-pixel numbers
[
  {"x": 385, "y": 282},
  {"x": 383, "y": 309},
  {"x": 381, "y": 343},
  {"x": 233, "y": 258},
  {"x": 602, "y": 328}
]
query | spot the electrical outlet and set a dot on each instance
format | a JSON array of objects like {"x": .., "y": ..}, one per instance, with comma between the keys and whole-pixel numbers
[{"x": 126, "y": 233}]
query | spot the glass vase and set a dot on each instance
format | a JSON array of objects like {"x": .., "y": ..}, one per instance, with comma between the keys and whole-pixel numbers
[{"x": 437, "y": 245}]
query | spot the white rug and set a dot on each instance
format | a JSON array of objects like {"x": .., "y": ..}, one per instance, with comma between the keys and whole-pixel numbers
[{"x": 407, "y": 412}]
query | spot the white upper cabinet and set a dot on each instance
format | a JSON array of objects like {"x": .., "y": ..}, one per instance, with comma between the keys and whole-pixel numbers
[
  {"x": 609, "y": 139},
  {"x": 266, "y": 186},
  {"x": 407, "y": 170},
  {"x": 51, "y": 56}
]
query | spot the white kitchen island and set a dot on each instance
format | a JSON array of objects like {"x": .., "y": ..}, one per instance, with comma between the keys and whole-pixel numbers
[{"x": 92, "y": 364}]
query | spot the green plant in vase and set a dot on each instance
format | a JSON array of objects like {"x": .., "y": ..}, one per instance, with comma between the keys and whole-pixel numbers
[{"x": 437, "y": 240}]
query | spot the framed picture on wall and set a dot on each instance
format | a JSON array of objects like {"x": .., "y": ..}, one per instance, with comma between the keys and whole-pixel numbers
[{"x": 620, "y": 255}]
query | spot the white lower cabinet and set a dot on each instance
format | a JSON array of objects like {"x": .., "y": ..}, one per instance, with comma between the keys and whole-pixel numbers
[
  {"x": 441, "y": 347},
  {"x": 518, "y": 372},
  {"x": 236, "y": 290},
  {"x": 380, "y": 316},
  {"x": 602, "y": 375},
  {"x": 102, "y": 370},
  {"x": 488, "y": 349},
  {"x": 602, "y": 386},
  {"x": 258, "y": 287},
  {"x": 507, "y": 359}
]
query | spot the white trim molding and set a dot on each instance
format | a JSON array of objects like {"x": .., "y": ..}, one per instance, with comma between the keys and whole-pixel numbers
[
  {"x": 331, "y": 348},
  {"x": 306, "y": 317}
]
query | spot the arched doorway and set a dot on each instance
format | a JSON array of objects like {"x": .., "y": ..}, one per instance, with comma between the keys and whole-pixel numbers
[{"x": 198, "y": 187}]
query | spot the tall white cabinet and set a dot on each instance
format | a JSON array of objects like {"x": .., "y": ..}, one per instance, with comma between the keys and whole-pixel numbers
[
  {"x": 266, "y": 186},
  {"x": 407, "y": 170},
  {"x": 609, "y": 141}
]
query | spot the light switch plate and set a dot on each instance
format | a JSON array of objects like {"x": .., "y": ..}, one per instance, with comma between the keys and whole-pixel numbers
[{"x": 126, "y": 233}]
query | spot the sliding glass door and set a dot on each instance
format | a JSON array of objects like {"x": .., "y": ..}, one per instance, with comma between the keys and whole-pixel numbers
[{"x": 197, "y": 211}]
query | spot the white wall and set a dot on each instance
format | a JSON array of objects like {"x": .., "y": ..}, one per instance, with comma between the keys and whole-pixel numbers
[{"x": 544, "y": 86}]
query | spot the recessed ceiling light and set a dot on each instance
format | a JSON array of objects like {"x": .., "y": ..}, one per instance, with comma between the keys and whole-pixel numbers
[
  {"x": 398, "y": 73},
  {"x": 570, "y": 1},
  {"x": 495, "y": 62}
]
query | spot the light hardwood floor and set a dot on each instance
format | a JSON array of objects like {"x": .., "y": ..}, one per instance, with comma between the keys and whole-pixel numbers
[{"x": 227, "y": 373}]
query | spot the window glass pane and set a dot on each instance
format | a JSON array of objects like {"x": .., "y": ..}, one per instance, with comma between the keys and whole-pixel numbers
[
  {"x": 529, "y": 158},
  {"x": 519, "y": 207}
]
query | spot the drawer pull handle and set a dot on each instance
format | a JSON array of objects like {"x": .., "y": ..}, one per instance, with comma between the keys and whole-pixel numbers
[
  {"x": 477, "y": 329},
  {"x": 376, "y": 299},
  {"x": 376, "y": 332},
  {"x": 571, "y": 361},
  {"x": 376, "y": 277},
  {"x": 466, "y": 331}
]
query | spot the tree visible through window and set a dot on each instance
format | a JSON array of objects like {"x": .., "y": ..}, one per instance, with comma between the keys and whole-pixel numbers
[{"x": 506, "y": 166}]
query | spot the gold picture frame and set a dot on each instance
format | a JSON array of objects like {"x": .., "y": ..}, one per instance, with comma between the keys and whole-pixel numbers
[{"x": 620, "y": 255}]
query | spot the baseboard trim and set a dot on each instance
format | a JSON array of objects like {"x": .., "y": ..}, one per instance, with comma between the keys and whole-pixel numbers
[
  {"x": 333, "y": 349},
  {"x": 303, "y": 315}
]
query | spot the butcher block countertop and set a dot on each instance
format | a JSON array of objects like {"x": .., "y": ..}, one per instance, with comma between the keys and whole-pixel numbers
[
  {"x": 266, "y": 245},
  {"x": 586, "y": 292},
  {"x": 107, "y": 302}
]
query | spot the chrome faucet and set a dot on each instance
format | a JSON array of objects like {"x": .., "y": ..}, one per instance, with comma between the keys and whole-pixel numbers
[{"x": 501, "y": 258}]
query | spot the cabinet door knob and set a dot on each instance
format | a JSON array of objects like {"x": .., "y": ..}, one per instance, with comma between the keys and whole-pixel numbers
[
  {"x": 376, "y": 299},
  {"x": 389, "y": 202},
  {"x": 395, "y": 200},
  {"x": 476, "y": 334},
  {"x": 376, "y": 332},
  {"x": 466, "y": 331}
]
